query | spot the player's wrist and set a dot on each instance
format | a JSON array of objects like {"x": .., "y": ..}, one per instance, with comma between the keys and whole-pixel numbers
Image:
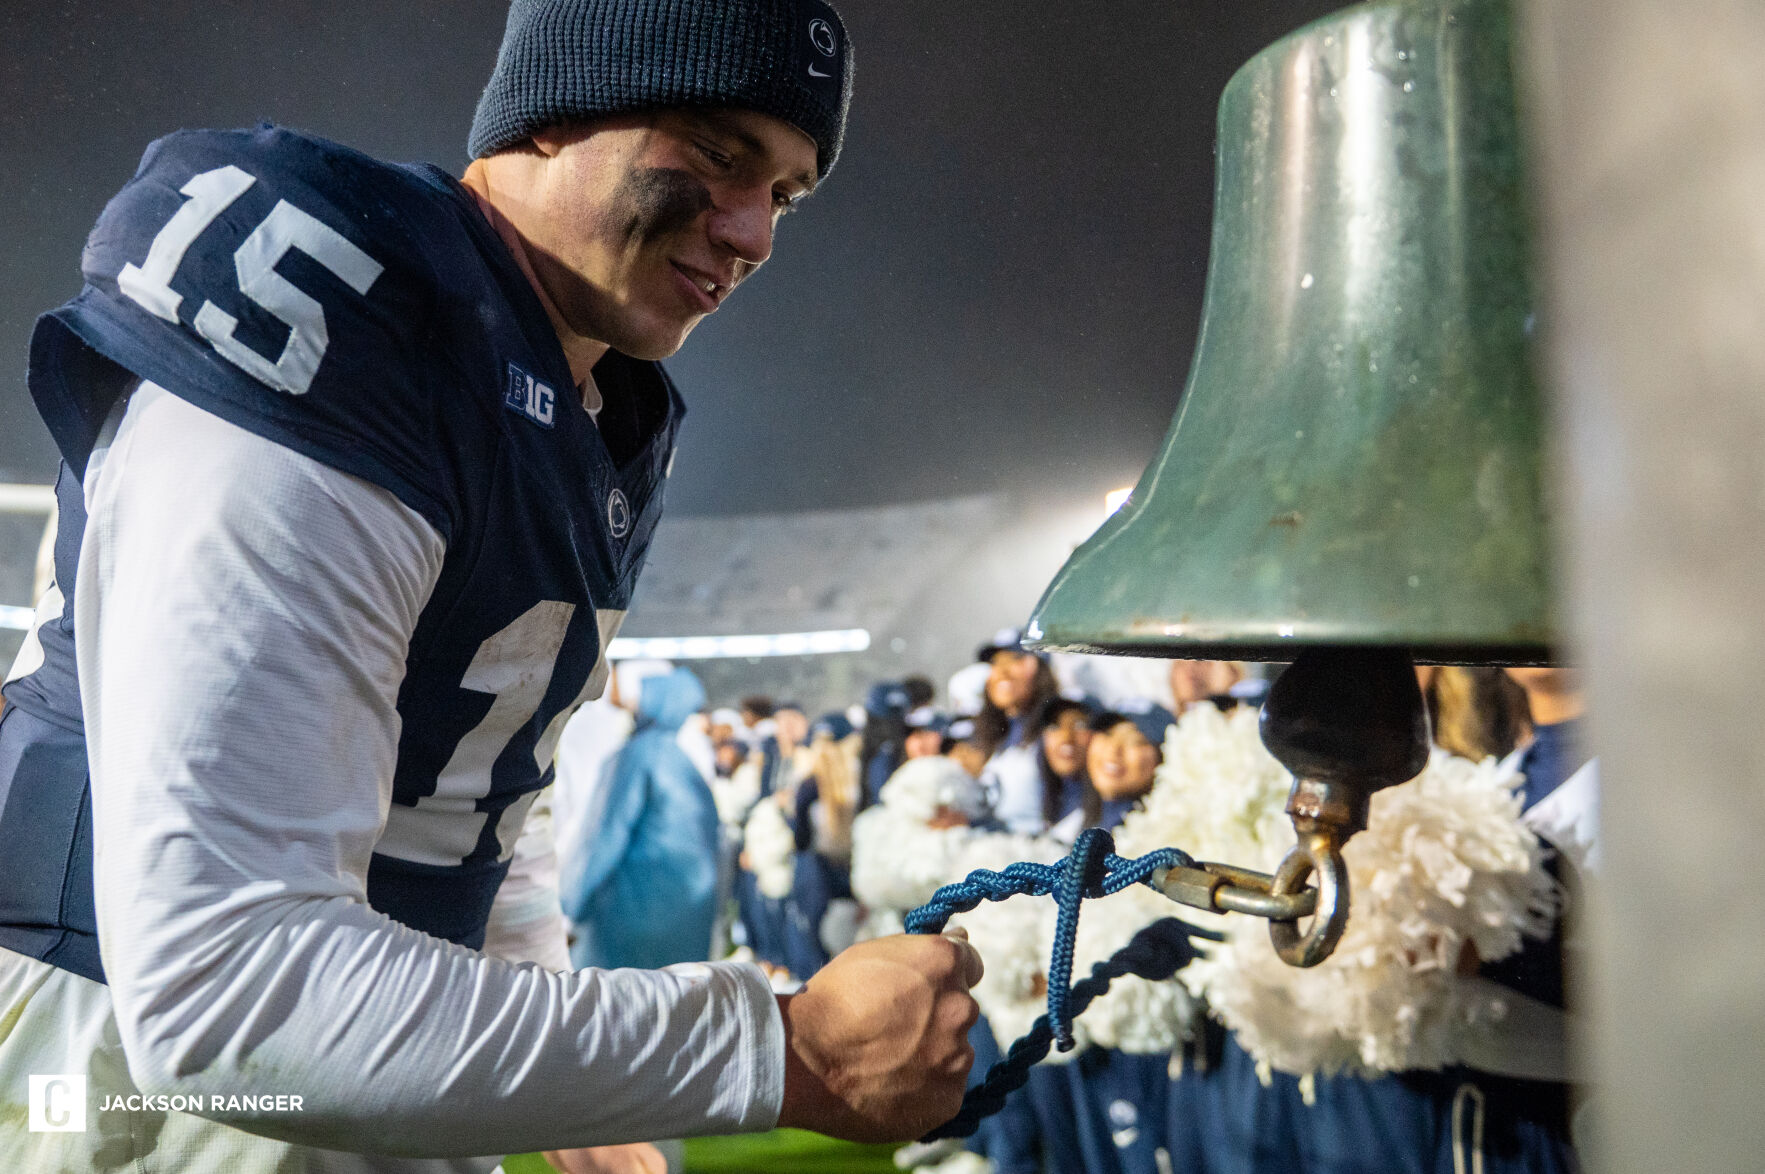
[{"x": 808, "y": 1102}]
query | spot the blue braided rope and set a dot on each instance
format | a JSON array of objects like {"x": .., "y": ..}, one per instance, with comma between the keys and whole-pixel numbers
[
  {"x": 1156, "y": 953},
  {"x": 1092, "y": 869}
]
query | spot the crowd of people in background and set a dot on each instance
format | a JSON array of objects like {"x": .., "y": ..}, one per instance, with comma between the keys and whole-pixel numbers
[{"x": 688, "y": 831}]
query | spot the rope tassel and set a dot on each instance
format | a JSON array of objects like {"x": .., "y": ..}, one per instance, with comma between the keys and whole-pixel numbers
[{"x": 1091, "y": 870}]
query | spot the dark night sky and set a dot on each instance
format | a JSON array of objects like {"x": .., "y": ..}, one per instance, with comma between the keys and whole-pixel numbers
[{"x": 997, "y": 289}]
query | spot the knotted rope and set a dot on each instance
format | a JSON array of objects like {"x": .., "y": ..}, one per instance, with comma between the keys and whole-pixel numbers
[{"x": 1092, "y": 869}]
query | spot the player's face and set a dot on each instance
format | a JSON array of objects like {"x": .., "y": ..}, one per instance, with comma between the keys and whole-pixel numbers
[{"x": 649, "y": 222}]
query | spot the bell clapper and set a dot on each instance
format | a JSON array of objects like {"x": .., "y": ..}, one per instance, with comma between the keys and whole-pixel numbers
[{"x": 1346, "y": 721}]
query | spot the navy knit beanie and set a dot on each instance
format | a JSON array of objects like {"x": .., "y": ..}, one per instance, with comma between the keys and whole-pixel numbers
[{"x": 564, "y": 60}]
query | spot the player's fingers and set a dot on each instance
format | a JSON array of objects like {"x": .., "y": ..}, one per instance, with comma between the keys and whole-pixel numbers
[
  {"x": 940, "y": 958},
  {"x": 971, "y": 1013},
  {"x": 956, "y": 1066},
  {"x": 969, "y": 964}
]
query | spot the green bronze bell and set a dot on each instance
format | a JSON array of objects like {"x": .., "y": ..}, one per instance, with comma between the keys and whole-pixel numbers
[
  {"x": 1355, "y": 459},
  {"x": 1353, "y": 478}
]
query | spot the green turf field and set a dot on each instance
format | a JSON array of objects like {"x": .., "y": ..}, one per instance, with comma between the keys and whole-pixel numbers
[{"x": 783, "y": 1151}]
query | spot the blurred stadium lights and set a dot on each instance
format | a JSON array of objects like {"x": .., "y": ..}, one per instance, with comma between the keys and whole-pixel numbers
[
  {"x": 20, "y": 498},
  {"x": 720, "y": 647},
  {"x": 26, "y": 499},
  {"x": 1114, "y": 500}
]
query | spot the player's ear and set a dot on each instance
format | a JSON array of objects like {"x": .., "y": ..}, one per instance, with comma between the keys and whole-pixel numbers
[{"x": 550, "y": 140}]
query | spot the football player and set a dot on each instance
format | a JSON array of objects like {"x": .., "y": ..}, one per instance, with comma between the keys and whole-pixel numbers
[{"x": 360, "y": 465}]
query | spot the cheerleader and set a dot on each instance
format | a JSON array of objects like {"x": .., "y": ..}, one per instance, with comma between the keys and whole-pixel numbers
[
  {"x": 1020, "y": 685},
  {"x": 1118, "y": 1097},
  {"x": 820, "y": 806},
  {"x": 1069, "y": 802}
]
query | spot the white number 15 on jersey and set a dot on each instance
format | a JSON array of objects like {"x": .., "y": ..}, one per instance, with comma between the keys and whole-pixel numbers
[{"x": 255, "y": 261}]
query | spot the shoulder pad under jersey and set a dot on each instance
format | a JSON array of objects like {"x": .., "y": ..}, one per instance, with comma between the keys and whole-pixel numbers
[{"x": 285, "y": 283}]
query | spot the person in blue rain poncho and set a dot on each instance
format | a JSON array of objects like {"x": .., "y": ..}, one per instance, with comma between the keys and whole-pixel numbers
[{"x": 645, "y": 894}]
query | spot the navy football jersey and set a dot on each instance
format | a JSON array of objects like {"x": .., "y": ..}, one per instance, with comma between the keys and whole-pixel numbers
[{"x": 365, "y": 315}]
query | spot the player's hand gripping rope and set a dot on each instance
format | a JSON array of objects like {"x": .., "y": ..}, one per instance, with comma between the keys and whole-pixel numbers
[{"x": 1092, "y": 869}]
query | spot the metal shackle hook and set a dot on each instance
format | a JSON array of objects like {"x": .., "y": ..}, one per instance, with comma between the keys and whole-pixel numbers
[{"x": 1320, "y": 853}]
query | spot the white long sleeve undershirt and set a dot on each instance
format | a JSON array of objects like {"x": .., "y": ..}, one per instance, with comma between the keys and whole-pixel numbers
[
  {"x": 243, "y": 616},
  {"x": 526, "y": 922}
]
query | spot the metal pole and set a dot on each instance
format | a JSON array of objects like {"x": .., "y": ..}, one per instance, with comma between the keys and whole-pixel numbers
[{"x": 1647, "y": 121}]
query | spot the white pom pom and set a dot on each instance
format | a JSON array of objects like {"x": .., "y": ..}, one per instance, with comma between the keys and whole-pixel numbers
[
  {"x": 771, "y": 850},
  {"x": 922, "y": 785},
  {"x": 1218, "y": 795},
  {"x": 1444, "y": 864},
  {"x": 898, "y": 862},
  {"x": 737, "y": 794},
  {"x": 1135, "y": 1014},
  {"x": 879, "y": 923}
]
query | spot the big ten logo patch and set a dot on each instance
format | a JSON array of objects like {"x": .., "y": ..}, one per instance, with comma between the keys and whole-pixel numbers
[
  {"x": 58, "y": 1104},
  {"x": 530, "y": 397}
]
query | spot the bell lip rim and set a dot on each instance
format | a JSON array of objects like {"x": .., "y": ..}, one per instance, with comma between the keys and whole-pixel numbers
[{"x": 1282, "y": 651}]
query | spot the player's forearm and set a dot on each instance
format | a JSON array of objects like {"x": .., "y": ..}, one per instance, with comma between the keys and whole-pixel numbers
[{"x": 330, "y": 1002}]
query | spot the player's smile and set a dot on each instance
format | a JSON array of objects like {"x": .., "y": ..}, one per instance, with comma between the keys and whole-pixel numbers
[{"x": 704, "y": 292}]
